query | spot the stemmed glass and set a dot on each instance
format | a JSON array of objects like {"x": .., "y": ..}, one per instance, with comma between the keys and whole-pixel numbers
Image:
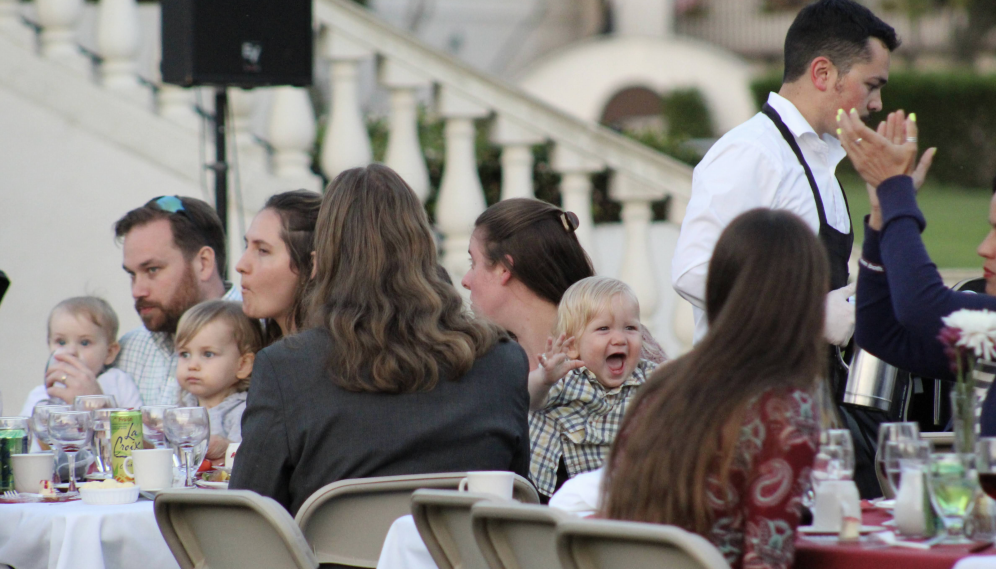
[
  {"x": 892, "y": 432},
  {"x": 900, "y": 455},
  {"x": 952, "y": 484},
  {"x": 152, "y": 424},
  {"x": 985, "y": 463},
  {"x": 186, "y": 427},
  {"x": 71, "y": 432},
  {"x": 94, "y": 402},
  {"x": 39, "y": 419},
  {"x": 102, "y": 438},
  {"x": 833, "y": 461}
]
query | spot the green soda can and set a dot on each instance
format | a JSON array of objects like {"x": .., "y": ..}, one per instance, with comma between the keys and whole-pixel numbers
[
  {"x": 13, "y": 440},
  {"x": 126, "y": 436}
]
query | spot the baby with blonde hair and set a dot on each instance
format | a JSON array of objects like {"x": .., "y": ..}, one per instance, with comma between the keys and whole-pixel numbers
[{"x": 598, "y": 324}]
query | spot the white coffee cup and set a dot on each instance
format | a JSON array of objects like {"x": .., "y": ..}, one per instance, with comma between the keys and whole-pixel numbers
[
  {"x": 153, "y": 468},
  {"x": 31, "y": 469},
  {"x": 497, "y": 483},
  {"x": 834, "y": 500},
  {"x": 233, "y": 448}
]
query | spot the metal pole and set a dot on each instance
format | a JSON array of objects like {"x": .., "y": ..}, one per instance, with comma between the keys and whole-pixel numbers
[{"x": 220, "y": 160}]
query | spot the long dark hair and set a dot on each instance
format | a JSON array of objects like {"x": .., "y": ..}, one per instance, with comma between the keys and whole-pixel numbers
[
  {"x": 395, "y": 325},
  {"x": 765, "y": 295},
  {"x": 536, "y": 242},
  {"x": 298, "y": 211}
]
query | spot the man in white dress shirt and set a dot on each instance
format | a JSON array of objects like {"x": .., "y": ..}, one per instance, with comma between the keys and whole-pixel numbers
[{"x": 837, "y": 56}]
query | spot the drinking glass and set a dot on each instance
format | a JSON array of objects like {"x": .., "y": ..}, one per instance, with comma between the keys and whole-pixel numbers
[
  {"x": 13, "y": 440},
  {"x": 187, "y": 427},
  {"x": 39, "y": 419},
  {"x": 102, "y": 438},
  {"x": 91, "y": 402},
  {"x": 844, "y": 457},
  {"x": 152, "y": 424},
  {"x": 952, "y": 485},
  {"x": 889, "y": 432},
  {"x": 898, "y": 455},
  {"x": 71, "y": 432},
  {"x": 52, "y": 361},
  {"x": 985, "y": 463}
]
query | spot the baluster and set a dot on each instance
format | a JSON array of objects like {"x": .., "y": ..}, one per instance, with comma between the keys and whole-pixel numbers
[
  {"x": 291, "y": 132},
  {"x": 516, "y": 141},
  {"x": 461, "y": 196},
  {"x": 684, "y": 319},
  {"x": 58, "y": 20},
  {"x": 117, "y": 40},
  {"x": 637, "y": 265},
  {"x": 575, "y": 190},
  {"x": 347, "y": 143},
  {"x": 404, "y": 152},
  {"x": 10, "y": 23},
  {"x": 242, "y": 102}
]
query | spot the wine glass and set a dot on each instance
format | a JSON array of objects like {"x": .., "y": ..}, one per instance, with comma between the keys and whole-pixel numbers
[
  {"x": 92, "y": 402},
  {"x": 39, "y": 419},
  {"x": 71, "y": 432},
  {"x": 903, "y": 454},
  {"x": 985, "y": 463},
  {"x": 187, "y": 427},
  {"x": 952, "y": 485},
  {"x": 152, "y": 424},
  {"x": 52, "y": 361},
  {"x": 102, "y": 438},
  {"x": 888, "y": 432},
  {"x": 841, "y": 453}
]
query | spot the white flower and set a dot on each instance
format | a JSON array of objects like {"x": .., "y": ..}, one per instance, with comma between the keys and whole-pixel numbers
[{"x": 978, "y": 331}]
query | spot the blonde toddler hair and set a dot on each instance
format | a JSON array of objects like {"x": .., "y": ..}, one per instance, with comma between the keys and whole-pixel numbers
[
  {"x": 586, "y": 298},
  {"x": 247, "y": 331},
  {"x": 95, "y": 308}
]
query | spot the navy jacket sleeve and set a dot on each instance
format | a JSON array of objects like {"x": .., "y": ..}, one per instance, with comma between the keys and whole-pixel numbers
[{"x": 899, "y": 311}]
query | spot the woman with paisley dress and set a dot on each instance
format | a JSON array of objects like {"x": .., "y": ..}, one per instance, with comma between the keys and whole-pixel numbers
[{"x": 738, "y": 478}]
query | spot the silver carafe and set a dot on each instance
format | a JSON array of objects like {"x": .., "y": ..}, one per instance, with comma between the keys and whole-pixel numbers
[{"x": 870, "y": 381}]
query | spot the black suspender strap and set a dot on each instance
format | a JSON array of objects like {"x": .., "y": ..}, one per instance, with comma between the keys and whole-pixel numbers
[{"x": 790, "y": 139}]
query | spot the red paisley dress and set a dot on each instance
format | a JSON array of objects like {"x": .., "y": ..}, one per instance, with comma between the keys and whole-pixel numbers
[{"x": 757, "y": 512}]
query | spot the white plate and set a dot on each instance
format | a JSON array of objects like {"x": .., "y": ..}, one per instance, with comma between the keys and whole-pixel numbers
[
  {"x": 211, "y": 485},
  {"x": 810, "y": 530}
]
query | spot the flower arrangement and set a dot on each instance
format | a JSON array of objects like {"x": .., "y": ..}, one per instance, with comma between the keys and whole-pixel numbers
[{"x": 967, "y": 336}]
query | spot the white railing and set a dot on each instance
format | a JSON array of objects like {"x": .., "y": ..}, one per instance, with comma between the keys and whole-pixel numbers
[{"x": 348, "y": 37}]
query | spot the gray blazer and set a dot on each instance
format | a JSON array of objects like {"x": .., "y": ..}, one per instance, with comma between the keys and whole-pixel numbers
[{"x": 300, "y": 431}]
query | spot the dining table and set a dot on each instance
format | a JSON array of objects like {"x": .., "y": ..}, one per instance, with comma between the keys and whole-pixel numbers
[{"x": 75, "y": 535}]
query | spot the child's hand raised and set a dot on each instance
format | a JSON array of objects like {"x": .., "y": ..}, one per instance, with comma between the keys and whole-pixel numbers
[{"x": 556, "y": 362}]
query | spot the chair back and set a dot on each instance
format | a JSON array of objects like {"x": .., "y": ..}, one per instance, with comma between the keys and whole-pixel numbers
[
  {"x": 610, "y": 544},
  {"x": 517, "y": 536},
  {"x": 442, "y": 518},
  {"x": 346, "y": 521},
  {"x": 233, "y": 529},
  {"x": 976, "y": 285}
]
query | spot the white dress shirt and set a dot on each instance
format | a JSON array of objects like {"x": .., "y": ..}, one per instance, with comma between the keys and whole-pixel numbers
[{"x": 752, "y": 166}]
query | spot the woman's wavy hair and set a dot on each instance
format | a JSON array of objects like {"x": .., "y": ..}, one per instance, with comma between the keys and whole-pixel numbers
[
  {"x": 395, "y": 325},
  {"x": 298, "y": 211},
  {"x": 536, "y": 242},
  {"x": 765, "y": 293}
]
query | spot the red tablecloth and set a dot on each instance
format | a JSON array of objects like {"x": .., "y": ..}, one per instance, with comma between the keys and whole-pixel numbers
[{"x": 812, "y": 555}]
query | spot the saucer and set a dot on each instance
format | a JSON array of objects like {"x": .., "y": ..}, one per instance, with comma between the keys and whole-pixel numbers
[{"x": 811, "y": 530}]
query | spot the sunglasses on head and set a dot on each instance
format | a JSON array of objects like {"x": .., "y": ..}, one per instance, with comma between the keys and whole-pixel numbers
[{"x": 171, "y": 204}]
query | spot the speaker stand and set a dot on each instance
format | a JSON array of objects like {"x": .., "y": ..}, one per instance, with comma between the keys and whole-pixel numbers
[{"x": 220, "y": 165}]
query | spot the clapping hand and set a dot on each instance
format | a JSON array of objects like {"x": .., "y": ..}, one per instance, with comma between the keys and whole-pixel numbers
[{"x": 554, "y": 364}]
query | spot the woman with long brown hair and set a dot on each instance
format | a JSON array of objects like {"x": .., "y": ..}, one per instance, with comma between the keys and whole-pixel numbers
[
  {"x": 720, "y": 441},
  {"x": 394, "y": 376}
]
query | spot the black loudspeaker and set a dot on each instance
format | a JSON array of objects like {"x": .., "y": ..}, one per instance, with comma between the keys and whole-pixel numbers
[{"x": 238, "y": 43}]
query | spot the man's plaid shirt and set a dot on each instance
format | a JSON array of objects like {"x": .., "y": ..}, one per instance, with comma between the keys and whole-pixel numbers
[
  {"x": 579, "y": 421},
  {"x": 150, "y": 359}
]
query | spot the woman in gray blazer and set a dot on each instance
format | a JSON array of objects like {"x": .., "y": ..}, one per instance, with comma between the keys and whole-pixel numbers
[{"x": 393, "y": 376}]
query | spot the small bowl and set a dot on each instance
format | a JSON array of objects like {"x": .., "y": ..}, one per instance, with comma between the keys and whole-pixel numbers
[{"x": 109, "y": 496}]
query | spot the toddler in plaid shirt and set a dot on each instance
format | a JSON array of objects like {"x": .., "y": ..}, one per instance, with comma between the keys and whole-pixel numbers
[{"x": 576, "y": 418}]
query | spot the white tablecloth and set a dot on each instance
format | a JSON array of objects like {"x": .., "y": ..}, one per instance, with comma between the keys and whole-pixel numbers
[{"x": 75, "y": 535}]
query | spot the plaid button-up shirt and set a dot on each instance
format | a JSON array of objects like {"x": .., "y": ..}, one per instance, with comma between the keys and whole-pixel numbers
[
  {"x": 579, "y": 421},
  {"x": 150, "y": 359}
]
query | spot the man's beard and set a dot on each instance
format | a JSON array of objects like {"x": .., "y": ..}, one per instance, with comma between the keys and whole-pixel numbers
[{"x": 166, "y": 317}]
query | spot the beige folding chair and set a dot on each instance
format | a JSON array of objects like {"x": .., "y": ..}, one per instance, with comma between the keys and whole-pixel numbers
[
  {"x": 442, "y": 518},
  {"x": 610, "y": 544},
  {"x": 234, "y": 529},
  {"x": 517, "y": 536},
  {"x": 346, "y": 522}
]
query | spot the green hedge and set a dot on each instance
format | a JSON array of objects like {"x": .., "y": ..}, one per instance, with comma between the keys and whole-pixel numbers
[{"x": 956, "y": 113}]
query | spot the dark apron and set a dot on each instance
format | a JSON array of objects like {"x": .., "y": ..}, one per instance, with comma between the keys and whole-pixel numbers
[{"x": 862, "y": 424}]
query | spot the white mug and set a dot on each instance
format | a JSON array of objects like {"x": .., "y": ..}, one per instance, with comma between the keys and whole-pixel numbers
[
  {"x": 31, "y": 469},
  {"x": 153, "y": 468},
  {"x": 834, "y": 500},
  {"x": 230, "y": 453},
  {"x": 496, "y": 482}
]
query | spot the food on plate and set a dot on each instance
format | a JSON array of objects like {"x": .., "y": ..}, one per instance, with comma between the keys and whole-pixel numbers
[
  {"x": 45, "y": 488},
  {"x": 215, "y": 476}
]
